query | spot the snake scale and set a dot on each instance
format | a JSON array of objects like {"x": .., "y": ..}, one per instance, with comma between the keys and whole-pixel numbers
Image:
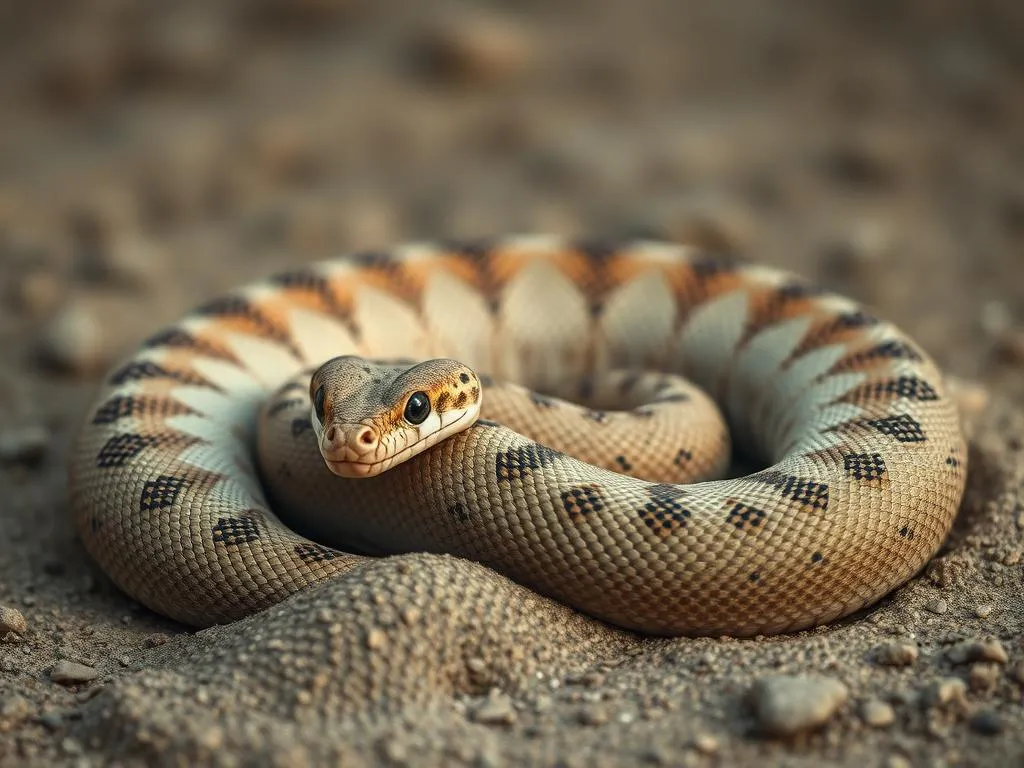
[{"x": 865, "y": 461}]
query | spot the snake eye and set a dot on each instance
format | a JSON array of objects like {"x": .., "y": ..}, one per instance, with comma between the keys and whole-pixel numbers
[
  {"x": 417, "y": 408},
  {"x": 318, "y": 403}
]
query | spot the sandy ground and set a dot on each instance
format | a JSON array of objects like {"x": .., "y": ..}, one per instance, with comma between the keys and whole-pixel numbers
[{"x": 150, "y": 159}]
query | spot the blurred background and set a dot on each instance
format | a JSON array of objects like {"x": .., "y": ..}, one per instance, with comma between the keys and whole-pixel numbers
[{"x": 153, "y": 154}]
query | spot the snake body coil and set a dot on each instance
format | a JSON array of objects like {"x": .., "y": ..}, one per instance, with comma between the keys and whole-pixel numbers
[{"x": 866, "y": 459}]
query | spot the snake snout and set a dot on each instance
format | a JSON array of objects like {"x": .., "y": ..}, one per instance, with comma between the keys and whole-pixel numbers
[{"x": 348, "y": 442}]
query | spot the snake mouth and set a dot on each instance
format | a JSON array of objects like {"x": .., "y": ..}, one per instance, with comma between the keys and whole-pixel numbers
[{"x": 359, "y": 469}]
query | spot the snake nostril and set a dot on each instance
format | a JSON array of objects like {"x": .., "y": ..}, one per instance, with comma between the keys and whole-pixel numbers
[
  {"x": 331, "y": 435},
  {"x": 366, "y": 437}
]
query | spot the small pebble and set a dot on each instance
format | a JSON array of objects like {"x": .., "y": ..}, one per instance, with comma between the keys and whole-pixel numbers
[
  {"x": 938, "y": 605},
  {"x": 376, "y": 639},
  {"x": 863, "y": 162},
  {"x": 896, "y": 654},
  {"x": 786, "y": 705},
  {"x": 24, "y": 445},
  {"x": 986, "y": 650},
  {"x": 983, "y": 677},
  {"x": 73, "y": 342},
  {"x": 38, "y": 292},
  {"x": 995, "y": 317},
  {"x": 705, "y": 743},
  {"x": 898, "y": 761},
  {"x": 1017, "y": 672},
  {"x": 972, "y": 398},
  {"x": 157, "y": 638},
  {"x": 984, "y": 611},
  {"x": 480, "y": 49},
  {"x": 127, "y": 262},
  {"x": 13, "y": 708},
  {"x": 12, "y": 620},
  {"x": 52, "y": 720},
  {"x": 1010, "y": 346},
  {"x": 860, "y": 252},
  {"x": 594, "y": 714},
  {"x": 877, "y": 713},
  {"x": 986, "y": 722},
  {"x": 72, "y": 673},
  {"x": 950, "y": 690},
  {"x": 496, "y": 710}
]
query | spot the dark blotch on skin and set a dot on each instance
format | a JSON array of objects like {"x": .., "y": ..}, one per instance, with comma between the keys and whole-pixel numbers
[
  {"x": 442, "y": 401},
  {"x": 464, "y": 378},
  {"x": 460, "y": 401}
]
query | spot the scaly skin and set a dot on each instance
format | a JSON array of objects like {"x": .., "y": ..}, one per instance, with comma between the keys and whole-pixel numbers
[{"x": 867, "y": 459}]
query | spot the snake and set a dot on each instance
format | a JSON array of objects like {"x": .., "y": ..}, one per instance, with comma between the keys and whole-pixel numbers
[{"x": 283, "y": 435}]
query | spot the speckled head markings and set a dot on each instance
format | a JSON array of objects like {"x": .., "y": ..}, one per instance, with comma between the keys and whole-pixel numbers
[
  {"x": 584, "y": 478},
  {"x": 369, "y": 416}
]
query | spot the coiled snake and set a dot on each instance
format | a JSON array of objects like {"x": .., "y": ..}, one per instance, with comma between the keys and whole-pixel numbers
[{"x": 865, "y": 457}]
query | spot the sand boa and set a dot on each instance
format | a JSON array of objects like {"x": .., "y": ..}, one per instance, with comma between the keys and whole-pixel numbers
[{"x": 866, "y": 459}]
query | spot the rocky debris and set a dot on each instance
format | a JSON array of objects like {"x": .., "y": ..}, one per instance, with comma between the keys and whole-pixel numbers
[
  {"x": 995, "y": 318},
  {"x": 376, "y": 639},
  {"x": 986, "y": 722},
  {"x": 1009, "y": 346},
  {"x": 190, "y": 50},
  {"x": 594, "y": 714},
  {"x": 785, "y": 705},
  {"x": 128, "y": 261},
  {"x": 877, "y": 713},
  {"x": 937, "y": 606},
  {"x": 978, "y": 650},
  {"x": 476, "y": 49},
  {"x": 38, "y": 291},
  {"x": 896, "y": 654},
  {"x": 859, "y": 254},
  {"x": 972, "y": 398},
  {"x": 13, "y": 710},
  {"x": 79, "y": 67},
  {"x": 73, "y": 342},
  {"x": 497, "y": 709},
  {"x": 983, "y": 677},
  {"x": 952, "y": 570},
  {"x": 946, "y": 693},
  {"x": 155, "y": 640},
  {"x": 12, "y": 620},
  {"x": 705, "y": 743},
  {"x": 26, "y": 445},
  {"x": 285, "y": 150},
  {"x": 867, "y": 162},
  {"x": 73, "y": 673},
  {"x": 984, "y": 610}
]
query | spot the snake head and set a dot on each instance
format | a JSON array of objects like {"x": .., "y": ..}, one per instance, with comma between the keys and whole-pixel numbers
[{"x": 370, "y": 416}]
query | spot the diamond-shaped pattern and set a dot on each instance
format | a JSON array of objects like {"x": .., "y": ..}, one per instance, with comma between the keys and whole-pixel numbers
[
  {"x": 161, "y": 492},
  {"x": 582, "y": 500},
  {"x": 904, "y": 428},
  {"x": 232, "y": 531},
  {"x": 121, "y": 448},
  {"x": 866, "y": 467}
]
